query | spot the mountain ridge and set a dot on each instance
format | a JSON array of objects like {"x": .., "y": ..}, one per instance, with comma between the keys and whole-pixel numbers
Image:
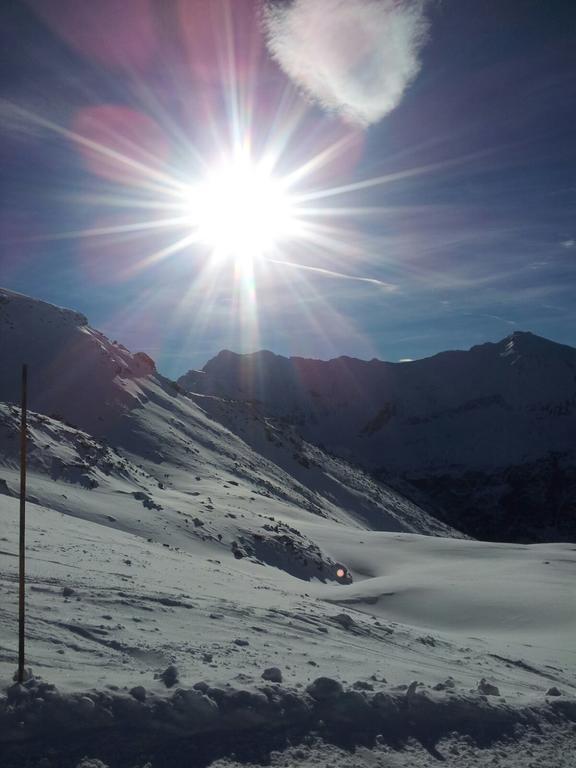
[
  {"x": 98, "y": 389},
  {"x": 490, "y": 411},
  {"x": 518, "y": 336}
]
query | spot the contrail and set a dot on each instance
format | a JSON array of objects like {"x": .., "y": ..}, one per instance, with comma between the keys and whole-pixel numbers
[{"x": 337, "y": 275}]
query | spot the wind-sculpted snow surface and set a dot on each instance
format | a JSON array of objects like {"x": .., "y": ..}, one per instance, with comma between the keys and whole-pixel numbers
[{"x": 144, "y": 653}]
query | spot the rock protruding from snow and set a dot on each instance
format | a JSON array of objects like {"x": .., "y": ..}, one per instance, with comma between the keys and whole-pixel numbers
[
  {"x": 273, "y": 674},
  {"x": 170, "y": 676},
  {"x": 488, "y": 689},
  {"x": 344, "y": 620},
  {"x": 138, "y": 693}
]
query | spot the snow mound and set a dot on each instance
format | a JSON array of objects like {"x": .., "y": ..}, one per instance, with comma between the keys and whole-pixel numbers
[{"x": 35, "y": 720}]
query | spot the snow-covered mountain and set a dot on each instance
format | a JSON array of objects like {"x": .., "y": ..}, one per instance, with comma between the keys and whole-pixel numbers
[
  {"x": 106, "y": 420},
  {"x": 498, "y": 418},
  {"x": 182, "y": 605}
]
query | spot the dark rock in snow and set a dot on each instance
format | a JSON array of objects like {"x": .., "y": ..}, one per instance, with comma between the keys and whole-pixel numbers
[
  {"x": 170, "y": 676},
  {"x": 241, "y": 642},
  {"x": 67, "y": 591},
  {"x": 344, "y": 620},
  {"x": 4, "y": 488},
  {"x": 138, "y": 693},
  {"x": 487, "y": 688},
  {"x": 448, "y": 684},
  {"x": 554, "y": 691},
  {"x": 273, "y": 674}
]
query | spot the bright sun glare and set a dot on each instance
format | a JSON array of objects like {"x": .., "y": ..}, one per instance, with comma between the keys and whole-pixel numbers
[{"x": 241, "y": 210}]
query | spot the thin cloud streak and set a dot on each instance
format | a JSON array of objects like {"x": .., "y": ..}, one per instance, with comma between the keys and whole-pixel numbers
[
  {"x": 337, "y": 275},
  {"x": 356, "y": 57}
]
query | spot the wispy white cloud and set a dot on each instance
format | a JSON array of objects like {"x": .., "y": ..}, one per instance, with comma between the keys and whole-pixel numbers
[
  {"x": 353, "y": 56},
  {"x": 337, "y": 275}
]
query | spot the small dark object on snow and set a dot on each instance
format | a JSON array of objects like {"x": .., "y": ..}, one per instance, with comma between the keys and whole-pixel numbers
[
  {"x": 344, "y": 620},
  {"x": 67, "y": 591},
  {"x": 487, "y": 688},
  {"x": 138, "y": 692},
  {"x": 273, "y": 674},
  {"x": 553, "y": 691},
  {"x": 170, "y": 676},
  {"x": 411, "y": 691}
]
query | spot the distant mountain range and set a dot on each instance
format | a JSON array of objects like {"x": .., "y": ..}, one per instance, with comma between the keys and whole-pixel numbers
[{"x": 488, "y": 434}]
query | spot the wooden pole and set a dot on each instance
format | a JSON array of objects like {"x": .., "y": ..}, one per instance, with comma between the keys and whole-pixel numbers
[{"x": 21, "y": 596}]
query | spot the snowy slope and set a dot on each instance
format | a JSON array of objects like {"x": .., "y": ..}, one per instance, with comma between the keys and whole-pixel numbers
[
  {"x": 181, "y": 459},
  {"x": 499, "y": 420},
  {"x": 165, "y": 529},
  {"x": 109, "y": 610}
]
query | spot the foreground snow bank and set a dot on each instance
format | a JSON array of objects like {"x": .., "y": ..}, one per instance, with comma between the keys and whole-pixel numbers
[{"x": 39, "y": 726}]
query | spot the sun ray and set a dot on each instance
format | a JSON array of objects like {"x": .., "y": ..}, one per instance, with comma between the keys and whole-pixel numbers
[
  {"x": 377, "y": 181},
  {"x": 247, "y": 210},
  {"x": 139, "y": 226}
]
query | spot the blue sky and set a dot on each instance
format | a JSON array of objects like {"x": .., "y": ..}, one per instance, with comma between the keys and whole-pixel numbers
[{"x": 470, "y": 235}]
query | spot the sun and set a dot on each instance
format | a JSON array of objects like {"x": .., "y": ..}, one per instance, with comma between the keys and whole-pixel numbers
[{"x": 240, "y": 210}]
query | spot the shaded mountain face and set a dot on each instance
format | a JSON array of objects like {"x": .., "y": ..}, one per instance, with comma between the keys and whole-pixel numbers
[
  {"x": 113, "y": 441},
  {"x": 500, "y": 419}
]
